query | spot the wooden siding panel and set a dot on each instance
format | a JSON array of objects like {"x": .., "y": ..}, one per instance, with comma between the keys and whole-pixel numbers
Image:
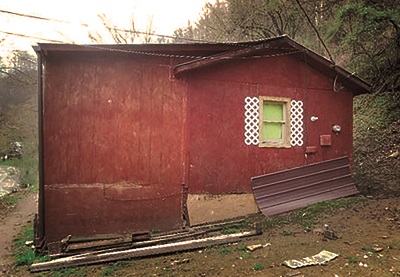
[
  {"x": 109, "y": 126},
  {"x": 91, "y": 209},
  {"x": 112, "y": 128}
]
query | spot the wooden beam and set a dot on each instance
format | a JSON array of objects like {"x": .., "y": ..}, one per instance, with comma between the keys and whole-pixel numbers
[{"x": 141, "y": 252}]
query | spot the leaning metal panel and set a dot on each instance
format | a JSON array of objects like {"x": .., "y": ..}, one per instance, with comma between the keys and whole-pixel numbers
[
  {"x": 251, "y": 121},
  {"x": 296, "y": 123}
]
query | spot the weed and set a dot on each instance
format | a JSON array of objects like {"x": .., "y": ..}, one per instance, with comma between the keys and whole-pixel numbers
[
  {"x": 23, "y": 254},
  {"x": 368, "y": 249},
  {"x": 229, "y": 230},
  {"x": 233, "y": 228},
  {"x": 26, "y": 257},
  {"x": 258, "y": 266},
  {"x": 352, "y": 260},
  {"x": 11, "y": 199},
  {"x": 155, "y": 231},
  {"x": 26, "y": 234},
  {"x": 393, "y": 246},
  {"x": 121, "y": 264},
  {"x": 224, "y": 250},
  {"x": 108, "y": 271},
  {"x": 245, "y": 255},
  {"x": 64, "y": 272},
  {"x": 286, "y": 233},
  {"x": 242, "y": 247}
]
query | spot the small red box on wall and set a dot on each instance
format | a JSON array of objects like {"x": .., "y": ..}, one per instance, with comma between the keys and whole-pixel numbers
[
  {"x": 325, "y": 140},
  {"x": 311, "y": 149}
]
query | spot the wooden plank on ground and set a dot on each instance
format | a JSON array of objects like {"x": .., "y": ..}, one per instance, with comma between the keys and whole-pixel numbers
[{"x": 141, "y": 252}]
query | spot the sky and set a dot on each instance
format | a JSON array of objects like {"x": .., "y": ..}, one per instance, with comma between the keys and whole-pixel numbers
[{"x": 166, "y": 16}]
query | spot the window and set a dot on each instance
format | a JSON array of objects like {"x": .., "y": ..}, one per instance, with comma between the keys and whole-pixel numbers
[{"x": 274, "y": 122}]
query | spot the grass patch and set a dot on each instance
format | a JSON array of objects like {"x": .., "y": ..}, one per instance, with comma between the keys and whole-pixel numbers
[
  {"x": 11, "y": 199},
  {"x": 224, "y": 250},
  {"x": 258, "y": 267},
  {"x": 242, "y": 247},
  {"x": 108, "y": 271},
  {"x": 23, "y": 254},
  {"x": 352, "y": 260},
  {"x": 228, "y": 231},
  {"x": 233, "y": 228},
  {"x": 64, "y": 272}
]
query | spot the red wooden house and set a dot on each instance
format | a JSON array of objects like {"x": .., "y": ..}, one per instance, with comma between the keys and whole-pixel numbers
[{"x": 141, "y": 137}]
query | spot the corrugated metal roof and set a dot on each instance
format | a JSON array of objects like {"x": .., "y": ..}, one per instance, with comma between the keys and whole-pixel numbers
[{"x": 298, "y": 187}]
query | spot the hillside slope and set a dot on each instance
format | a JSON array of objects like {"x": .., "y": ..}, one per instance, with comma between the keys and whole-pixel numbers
[{"x": 377, "y": 144}]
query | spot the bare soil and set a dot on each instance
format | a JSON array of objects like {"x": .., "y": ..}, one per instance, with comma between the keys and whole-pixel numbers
[
  {"x": 367, "y": 225},
  {"x": 12, "y": 219},
  {"x": 368, "y": 244}
]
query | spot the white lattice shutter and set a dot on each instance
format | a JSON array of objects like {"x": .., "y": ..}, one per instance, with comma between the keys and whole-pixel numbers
[
  {"x": 296, "y": 123},
  {"x": 251, "y": 121}
]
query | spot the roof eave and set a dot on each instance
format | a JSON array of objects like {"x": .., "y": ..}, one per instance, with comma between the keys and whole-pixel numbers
[{"x": 327, "y": 67}]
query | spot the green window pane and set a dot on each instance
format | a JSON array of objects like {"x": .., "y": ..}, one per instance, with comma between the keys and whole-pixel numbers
[
  {"x": 273, "y": 111},
  {"x": 271, "y": 131}
]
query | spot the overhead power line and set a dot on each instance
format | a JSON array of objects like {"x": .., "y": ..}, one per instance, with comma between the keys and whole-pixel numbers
[
  {"x": 27, "y": 36},
  {"x": 113, "y": 28},
  {"x": 41, "y": 18}
]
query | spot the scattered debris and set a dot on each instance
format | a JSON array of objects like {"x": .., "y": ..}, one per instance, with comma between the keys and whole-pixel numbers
[
  {"x": 177, "y": 262},
  {"x": 29, "y": 243},
  {"x": 394, "y": 154},
  {"x": 321, "y": 258},
  {"x": 9, "y": 180},
  {"x": 325, "y": 232},
  {"x": 394, "y": 215},
  {"x": 295, "y": 274},
  {"x": 15, "y": 151},
  {"x": 377, "y": 248},
  {"x": 253, "y": 247}
]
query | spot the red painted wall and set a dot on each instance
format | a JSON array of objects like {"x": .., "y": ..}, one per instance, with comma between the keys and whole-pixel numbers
[
  {"x": 111, "y": 123},
  {"x": 220, "y": 161},
  {"x": 121, "y": 136}
]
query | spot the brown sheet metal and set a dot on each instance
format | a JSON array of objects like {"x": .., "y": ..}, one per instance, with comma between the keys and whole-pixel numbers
[{"x": 295, "y": 188}]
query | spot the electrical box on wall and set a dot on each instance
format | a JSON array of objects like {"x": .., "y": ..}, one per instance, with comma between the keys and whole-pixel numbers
[{"x": 325, "y": 140}]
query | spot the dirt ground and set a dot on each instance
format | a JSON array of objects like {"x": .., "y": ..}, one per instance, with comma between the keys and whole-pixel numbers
[
  {"x": 12, "y": 219},
  {"x": 368, "y": 244}
]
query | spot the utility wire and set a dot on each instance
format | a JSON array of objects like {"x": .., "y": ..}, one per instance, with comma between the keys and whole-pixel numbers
[
  {"x": 26, "y": 36},
  {"x": 108, "y": 27},
  {"x": 143, "y": 33},
  {"x": 41, "y": 18}
]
